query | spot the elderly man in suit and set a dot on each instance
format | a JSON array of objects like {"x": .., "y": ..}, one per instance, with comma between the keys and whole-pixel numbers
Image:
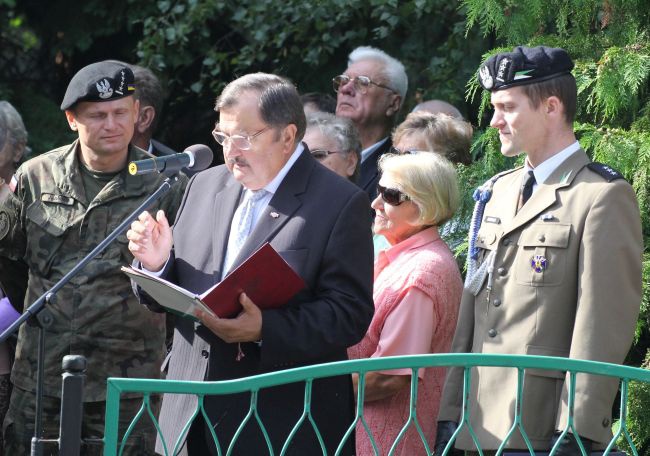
[
  {"x": 270, "y": 190},
  {"x": 554, "y": 269},
  {"x": 371, "y": 92}
]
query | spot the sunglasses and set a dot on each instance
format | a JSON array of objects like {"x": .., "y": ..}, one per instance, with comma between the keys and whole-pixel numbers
[
  {"x": 392, "y": 196},
  {"x": 321, "y": 154}
]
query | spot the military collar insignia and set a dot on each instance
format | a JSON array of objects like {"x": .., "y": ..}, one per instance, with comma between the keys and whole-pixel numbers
[{"x": 565, "y": 177}]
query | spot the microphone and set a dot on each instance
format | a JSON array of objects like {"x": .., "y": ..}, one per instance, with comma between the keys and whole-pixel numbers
[{"x": 196, "y": 158}]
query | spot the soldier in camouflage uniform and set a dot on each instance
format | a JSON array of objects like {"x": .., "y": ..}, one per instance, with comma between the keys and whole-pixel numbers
[{"x": 61, "y": 205}]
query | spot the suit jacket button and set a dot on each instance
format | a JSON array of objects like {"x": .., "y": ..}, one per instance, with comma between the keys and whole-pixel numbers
[
  {"x": 492, "y": 332},
  {"x": 606, "y": 422},
  {"x": 541, "y": 238},
  {"x": 502, "y": 271},
  {"x": 496, "y": 302},
  {"x": 205, "y": 353}
]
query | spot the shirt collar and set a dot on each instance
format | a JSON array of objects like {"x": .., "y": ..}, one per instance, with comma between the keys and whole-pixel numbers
[
  {"x": 415, "y": 241},
  {"x": 273, "y": 186},
  {"x": 543, "y": 171},
  {"x": 365, "y": 153}
]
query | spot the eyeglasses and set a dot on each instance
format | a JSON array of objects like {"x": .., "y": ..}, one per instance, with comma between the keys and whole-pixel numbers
[
  {"x": 361, "y": 83},
  {"x": 239, "y": 141},
  {"x": 321, "y": 154},
  {"x": 396, "y": 151},
  {"x": 392, "y": 196}
]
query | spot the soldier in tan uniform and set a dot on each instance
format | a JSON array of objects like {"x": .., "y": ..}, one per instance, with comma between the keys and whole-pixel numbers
[
  {"x": 554, "y": 269},
  {"x": 59, "y": 206}
]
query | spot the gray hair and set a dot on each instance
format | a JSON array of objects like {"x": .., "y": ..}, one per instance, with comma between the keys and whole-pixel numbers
[
  {"x": 430, "y": 181},
  {"x": 393, "y": 69},
  {"x": 279, "y": 102},
  {"x": 340, "y": 129},
  {"x": 12, "y": 128}
]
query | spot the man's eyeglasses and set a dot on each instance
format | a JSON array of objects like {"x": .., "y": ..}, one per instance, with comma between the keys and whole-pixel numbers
[
  {"x": 396, "y": 151},
  {"x": 361, "y": 83},
  {"x": 239, "y": 141},
  {"x": 392, "y": 196},
  {"x": 321, "y": 154}
]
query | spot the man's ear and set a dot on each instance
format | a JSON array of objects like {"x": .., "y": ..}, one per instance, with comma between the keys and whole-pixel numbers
[
  {"x": 351, "y": 163},
  {"x": 72, "y": 122},
  {"x": 554, "y": 107},
  {"x": 288, "y": 138},
  {"x": 394, "y": 105},
  {"x": 146, "y": 115}
]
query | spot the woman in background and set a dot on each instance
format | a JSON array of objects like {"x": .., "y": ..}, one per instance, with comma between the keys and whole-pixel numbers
[{"x": 417, "y": 290}]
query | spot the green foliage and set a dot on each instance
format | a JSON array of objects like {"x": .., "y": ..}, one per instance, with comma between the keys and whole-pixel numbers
[
  {"x": 202, "y": 44},
  {"x": 608, "y": 41}
]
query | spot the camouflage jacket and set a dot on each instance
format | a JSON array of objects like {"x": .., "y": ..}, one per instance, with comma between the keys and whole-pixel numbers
[{"x": 49, "y": 226}]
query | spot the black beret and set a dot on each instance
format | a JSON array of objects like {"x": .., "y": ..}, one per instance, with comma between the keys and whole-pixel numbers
[
  {"x": 522, "y": 66},
  {"x": 101, "y": 81}
]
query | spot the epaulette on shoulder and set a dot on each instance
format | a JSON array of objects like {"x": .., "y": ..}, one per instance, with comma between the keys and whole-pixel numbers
[{"x": 605, "y": 171}]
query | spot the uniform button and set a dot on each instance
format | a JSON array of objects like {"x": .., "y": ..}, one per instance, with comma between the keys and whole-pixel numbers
[
  {"x": 496, "y": 302},
  {"x": 205, "y": 353},
  {"x": 606, "y": 422},
  {"x": 502, "y": 271},
  {"x": 492, "y": 333},
  {"x": 507, "y": 242},
  {"x": 541, "y": 238}
]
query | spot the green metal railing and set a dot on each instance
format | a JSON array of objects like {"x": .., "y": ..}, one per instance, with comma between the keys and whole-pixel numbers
[{"x": 306, "y": 375}]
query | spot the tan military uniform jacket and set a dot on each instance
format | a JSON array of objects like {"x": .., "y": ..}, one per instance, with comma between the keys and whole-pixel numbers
[
  {"x": 584, "y": 305},
  {"x": 49, "y": 226}
]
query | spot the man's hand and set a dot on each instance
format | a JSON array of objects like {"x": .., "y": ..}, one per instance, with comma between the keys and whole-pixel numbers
[
  {"x": 246, "y": 327},
  {"x": 150, "y": 241}
]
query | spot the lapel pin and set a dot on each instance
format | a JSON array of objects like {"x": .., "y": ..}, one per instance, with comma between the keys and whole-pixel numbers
[
  {"x": 546, "y": 217},
  {"x": 539, "y": 263},
  {"x": 275, "y": 214}
]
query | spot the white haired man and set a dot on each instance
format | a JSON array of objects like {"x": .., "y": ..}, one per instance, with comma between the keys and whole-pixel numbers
[{"x": 371, "y": 92}]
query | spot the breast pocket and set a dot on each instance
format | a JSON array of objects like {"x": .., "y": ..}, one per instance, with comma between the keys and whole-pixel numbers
[
  {"x": 46, "y": 229},
  {"x": 542, "y": 254}
]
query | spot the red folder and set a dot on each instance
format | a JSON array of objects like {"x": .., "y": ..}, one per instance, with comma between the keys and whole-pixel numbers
[{"x": 265, "y": 277}]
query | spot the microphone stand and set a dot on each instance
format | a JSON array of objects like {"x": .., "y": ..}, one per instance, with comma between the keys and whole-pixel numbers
[{"x": 43, "y": 317}]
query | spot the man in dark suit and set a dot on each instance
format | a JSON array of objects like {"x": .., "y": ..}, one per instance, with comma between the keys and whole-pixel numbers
[
  {"x": 371, "y": 92},
  {"x": 269, "y": 190}
]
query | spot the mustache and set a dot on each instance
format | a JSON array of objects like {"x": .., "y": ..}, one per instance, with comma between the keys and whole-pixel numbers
[{"x": 236, "y": 161}]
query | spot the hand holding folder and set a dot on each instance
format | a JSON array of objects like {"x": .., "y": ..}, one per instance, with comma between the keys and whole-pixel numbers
[{"x": 265, "y": 277}]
